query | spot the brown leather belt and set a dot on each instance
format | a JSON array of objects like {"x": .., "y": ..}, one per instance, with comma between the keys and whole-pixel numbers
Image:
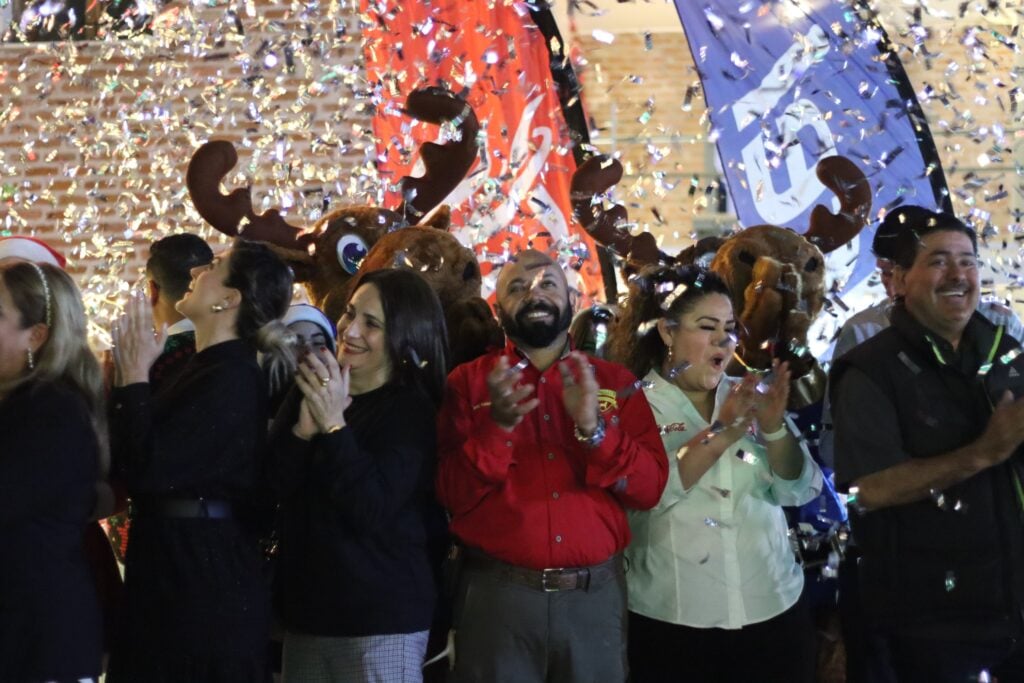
[{"x": 553, "y": 579}]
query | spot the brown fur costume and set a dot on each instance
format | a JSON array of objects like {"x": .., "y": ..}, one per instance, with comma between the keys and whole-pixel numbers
[
  {"x": 776, "y": 276},
  {"x": 358, "y": 239}
]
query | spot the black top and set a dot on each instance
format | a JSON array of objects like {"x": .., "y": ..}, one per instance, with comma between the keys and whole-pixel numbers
[
  {"x": 360, "y": 520},
  {"x": 49, "y": 615},
  {"x": 951, "y": 566},
  {"x": 196, "y": 601}
]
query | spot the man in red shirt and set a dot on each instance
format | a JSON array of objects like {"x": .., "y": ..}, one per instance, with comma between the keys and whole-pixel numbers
[{"x": 541, "y": 451}]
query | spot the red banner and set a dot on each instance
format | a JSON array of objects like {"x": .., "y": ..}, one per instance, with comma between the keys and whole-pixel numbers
[{"x": 517, "y": 195}]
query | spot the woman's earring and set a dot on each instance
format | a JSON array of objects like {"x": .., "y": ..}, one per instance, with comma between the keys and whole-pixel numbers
[
  {"x": 31, "y": 359},
  {"x": 217, "y": 308}
]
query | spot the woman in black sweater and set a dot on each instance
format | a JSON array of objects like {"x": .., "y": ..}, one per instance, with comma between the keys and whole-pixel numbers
[
  {"x": 355, "y": 451},
  {"x": 51, "y": 456},
  {"x": 197, "y": 603}
]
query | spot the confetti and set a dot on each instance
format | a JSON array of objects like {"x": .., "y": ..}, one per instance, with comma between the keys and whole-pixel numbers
[
  {"x": 853, "y": 502},
  {"x": 519, "y": 367},
  {"x": 746, "y": 457},
  {"x": 677, "y": 369},
  {"x": 724, "y": 493},
  {"x": 415, "y": 358},
  {"x": 1010, "y": 355},
  {"x": 631, "y": 389}
]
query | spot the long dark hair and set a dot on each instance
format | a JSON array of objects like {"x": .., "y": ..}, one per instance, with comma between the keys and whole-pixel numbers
[
  {"x": 417, "y": 339},
  {"x": 265, "y": 283},
  {"x": 657, "y": 292}
]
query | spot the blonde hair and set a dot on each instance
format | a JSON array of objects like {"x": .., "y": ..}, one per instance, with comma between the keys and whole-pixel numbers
[{"x": 45, "y": 294}]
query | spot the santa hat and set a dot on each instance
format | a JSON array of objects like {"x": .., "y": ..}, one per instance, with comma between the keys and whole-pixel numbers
[
  {"x": 311, "y": 314},
  {"x": 30, "y": 249}
]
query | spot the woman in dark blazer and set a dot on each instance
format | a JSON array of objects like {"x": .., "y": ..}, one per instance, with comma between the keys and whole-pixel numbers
[{"x": 196, "y": 597}]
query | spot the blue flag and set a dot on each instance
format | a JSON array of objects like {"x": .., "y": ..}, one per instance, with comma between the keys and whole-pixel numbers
[{"x": 788, "y": 86}]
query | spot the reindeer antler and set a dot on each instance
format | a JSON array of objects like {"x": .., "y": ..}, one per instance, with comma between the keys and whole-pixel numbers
[
  {"x": 596, "y": 176},
  {"x": 447, "y": 164},
  {"x": 829, "y": 231},
  {"x": 208, "y": 166}
]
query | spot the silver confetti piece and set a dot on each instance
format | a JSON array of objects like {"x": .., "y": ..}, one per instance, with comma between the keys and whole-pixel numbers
[
  {"x": 631, "y": 389},
  {"x": 713, "y": 523},
  {"x": 674, "y": 372}
]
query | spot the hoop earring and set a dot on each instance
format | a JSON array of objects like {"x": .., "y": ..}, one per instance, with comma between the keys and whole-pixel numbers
[
  {"x": 31, "y": 359},
  {"x": 217, "y": 308}
]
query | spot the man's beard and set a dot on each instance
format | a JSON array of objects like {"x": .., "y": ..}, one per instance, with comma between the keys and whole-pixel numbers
[{"x": 536, "y": 334}]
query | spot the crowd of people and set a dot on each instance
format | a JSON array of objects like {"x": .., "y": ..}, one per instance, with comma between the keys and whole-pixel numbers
[{"x": 566, "y": 516}]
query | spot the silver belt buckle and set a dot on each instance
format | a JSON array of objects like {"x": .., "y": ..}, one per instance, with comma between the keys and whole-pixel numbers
[{"x": 552, "y": 573}]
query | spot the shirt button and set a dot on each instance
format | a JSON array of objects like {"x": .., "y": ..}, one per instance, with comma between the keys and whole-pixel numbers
[
  {"x": 555, "y": 495},
  {"x": 551, "y": 456},
  {"x": 547, "y": 417},
  {"x": 509, "y": 444},
  {"x": 558, "y": 539},
  {"x": 543, "y": 380}
]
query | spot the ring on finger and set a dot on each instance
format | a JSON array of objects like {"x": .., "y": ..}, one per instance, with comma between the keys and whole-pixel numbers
[{"x": 324, "y": 381}]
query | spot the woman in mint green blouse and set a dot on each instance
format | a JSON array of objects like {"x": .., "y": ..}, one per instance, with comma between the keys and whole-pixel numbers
[{"x": 714, "y": 586}]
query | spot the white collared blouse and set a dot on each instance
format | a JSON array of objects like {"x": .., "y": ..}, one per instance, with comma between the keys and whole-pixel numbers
[{"x": 718, "y": 555}]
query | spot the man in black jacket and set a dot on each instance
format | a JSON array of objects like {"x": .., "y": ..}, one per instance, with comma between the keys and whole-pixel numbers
[{"x": 929, "y": 421}]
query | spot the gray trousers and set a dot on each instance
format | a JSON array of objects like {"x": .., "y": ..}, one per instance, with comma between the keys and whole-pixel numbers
[
  {"x": 392, "y": 658},
  {"x": 509, "y": 633}
]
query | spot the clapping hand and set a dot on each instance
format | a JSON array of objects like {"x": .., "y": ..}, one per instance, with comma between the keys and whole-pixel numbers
[
  {"x": 579, "y": 391},
  {"x": 770, "y": 406},
  {"x": 739, "y": 406},
  {"x": 325, "y": 395},
  {"x": 509, "y": 402},
  {"x": 137, "y": 343}
]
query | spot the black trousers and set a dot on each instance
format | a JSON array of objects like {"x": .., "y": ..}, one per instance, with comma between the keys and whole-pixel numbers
[
  {"x": 780, "y": 650},
  {"x": 918, "y": 660}
]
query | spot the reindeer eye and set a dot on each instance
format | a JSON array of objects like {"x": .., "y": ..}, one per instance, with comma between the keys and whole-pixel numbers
[
  {"x": 351, "y": 252},
  {"x": 811, "y": 265}
]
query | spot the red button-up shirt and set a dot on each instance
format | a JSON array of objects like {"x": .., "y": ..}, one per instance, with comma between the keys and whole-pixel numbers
[{"x": 535, "y": 496}]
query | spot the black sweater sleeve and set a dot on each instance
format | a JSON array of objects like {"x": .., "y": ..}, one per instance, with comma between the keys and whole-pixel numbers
[{"x": 373, "y": 470}]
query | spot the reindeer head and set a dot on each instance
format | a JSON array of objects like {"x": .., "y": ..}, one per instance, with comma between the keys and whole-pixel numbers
[
  {"x": 776, "y": 276},
  {"x": 326, "y": 256}
]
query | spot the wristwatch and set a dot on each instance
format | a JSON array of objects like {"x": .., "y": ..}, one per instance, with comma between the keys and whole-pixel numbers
[{"x": 594, "y": 439}]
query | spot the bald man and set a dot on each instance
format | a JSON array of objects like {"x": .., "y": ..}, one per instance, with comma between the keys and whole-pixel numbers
[{"x": 542, "y": 450}]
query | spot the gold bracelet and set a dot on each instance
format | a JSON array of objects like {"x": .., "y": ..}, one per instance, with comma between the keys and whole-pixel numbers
[{"x": 333, "y": 428}]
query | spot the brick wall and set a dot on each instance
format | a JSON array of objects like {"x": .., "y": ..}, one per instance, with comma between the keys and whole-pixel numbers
[{"x": 95, "y": 136}]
